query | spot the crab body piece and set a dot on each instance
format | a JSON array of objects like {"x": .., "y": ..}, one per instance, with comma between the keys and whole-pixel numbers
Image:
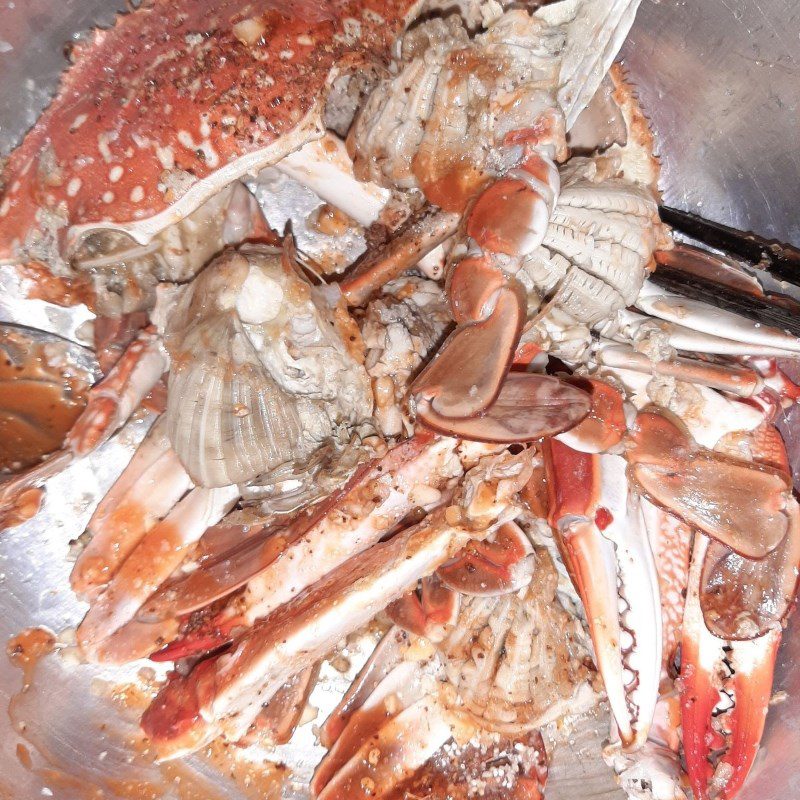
[
  {"x": 153, "y": 118},
  {"x": 500, "y": 668}
]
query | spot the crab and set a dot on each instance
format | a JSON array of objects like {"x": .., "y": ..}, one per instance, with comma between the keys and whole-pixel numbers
[
  {"x": 472, "y": 156},
  {"x": 470, "y": 681}
]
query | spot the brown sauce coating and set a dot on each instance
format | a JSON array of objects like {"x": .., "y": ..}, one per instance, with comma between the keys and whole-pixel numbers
[
  {"x": 26, "y": 649},
  {"x": 41, "y": 396}
]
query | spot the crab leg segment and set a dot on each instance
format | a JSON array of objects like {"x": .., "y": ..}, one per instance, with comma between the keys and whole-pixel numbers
[
  {"x": 671, "y": 542},
  {"x": 111, "y": 401},
  {"x": 465, "y": 377},
  {"x": 708, "y": 319},
  {"x": 740, "y": 381},
  {"x": 404, "y": 744},
  {"x": 415, "y": 239},
  {"x": 114, "y": 398},
  {"x": 284, "y": 712},
  {"x": 745, "y": 506},
  {"x": 325, "y": 167},
  {"x": 601, "y": 534},
  {"x": 299, "y": 632},
  {"x": 159, "y": 553},
  {"x": 511, "y": 216},
  {"x": 391, "y": 733},
  {"x": 278, "y": 564},
  {"x": 716, "y": 673},
  {"x": 147, "y": 489},
  {"x": 225, "y": 696},
  {"x": 693, "y": 341},
  {"x": 388, "y": 653},
  {"x": 527, "y": 407},
  {"x": 385, "y": 694},
  {"x": 605, "y": 424}
]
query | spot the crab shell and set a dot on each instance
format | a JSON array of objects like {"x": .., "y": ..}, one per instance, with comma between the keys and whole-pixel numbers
[{"x": 173, "y": 102}]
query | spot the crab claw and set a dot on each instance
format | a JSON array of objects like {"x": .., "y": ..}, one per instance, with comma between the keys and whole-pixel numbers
[
  {"x": 600, "y": 532},
  {"x": 726, "y": 686},
  {"x": 466, "y": 376},
  {"x": 467, "y": 391}
]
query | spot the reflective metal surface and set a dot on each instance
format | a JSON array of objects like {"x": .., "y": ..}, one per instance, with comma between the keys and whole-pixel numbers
[{"x": 720, "y": 80}]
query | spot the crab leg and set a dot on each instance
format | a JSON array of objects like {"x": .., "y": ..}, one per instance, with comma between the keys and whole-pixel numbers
[
  {"x": 304, "y": 629},
  {"x": 682, "y": 337},
  {"x": 116, "y": 396},
  {"x": 283, "y": 713},
  {"x": 671, "y": 542},
  {"x": 111, "y": 402},
  {"x": 388, "y": 691},
  {"x": 224, "y": 694},
  {"x": 415, "y": 239},
  {"x": 392, "y": 730},
  {"x": 736, "y": 380},
  {"x": 156, "y": 556},
  {"x": 601, "y": 534},
  {"x": 387, "y": 655},
  {"x": 277, "y": 565},
  {"x": 147, "y": 489},
  {"x": 708, "y": 319},
  {"x": 708, "y": 417},
  {"x": 325, "y": 167},
  {"x": 404, "y": 743}
]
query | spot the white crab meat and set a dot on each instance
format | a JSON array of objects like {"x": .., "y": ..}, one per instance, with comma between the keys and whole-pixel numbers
[{"x": 400, "y": 330}]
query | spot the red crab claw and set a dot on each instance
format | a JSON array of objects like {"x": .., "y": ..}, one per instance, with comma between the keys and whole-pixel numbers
[
  {"x": 499, "y": 565},
  {"x": 600, "y": 532},
  {"x": 426, "y": 612},
  {"x": 726, "y": 687}
]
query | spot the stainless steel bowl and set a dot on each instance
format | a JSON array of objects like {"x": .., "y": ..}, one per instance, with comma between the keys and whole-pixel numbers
[{"x": 720, "y": 80}]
